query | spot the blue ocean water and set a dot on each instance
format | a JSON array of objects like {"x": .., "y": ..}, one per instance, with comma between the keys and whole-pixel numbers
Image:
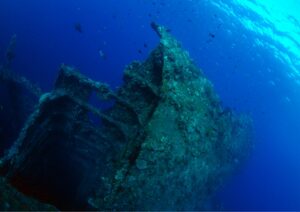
[{"x": 249, "y": 49}]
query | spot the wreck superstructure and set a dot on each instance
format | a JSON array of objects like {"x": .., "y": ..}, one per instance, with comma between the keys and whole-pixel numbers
[{"x": 166, "y": 143}]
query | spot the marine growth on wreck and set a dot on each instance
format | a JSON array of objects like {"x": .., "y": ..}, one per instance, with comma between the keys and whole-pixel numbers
[{"x": 166, "y": 143}]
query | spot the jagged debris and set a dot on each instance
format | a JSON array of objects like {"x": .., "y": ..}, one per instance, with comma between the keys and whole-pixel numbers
[{"x": 17, "y": 98}]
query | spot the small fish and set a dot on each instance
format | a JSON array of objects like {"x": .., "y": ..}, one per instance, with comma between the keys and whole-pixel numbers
[
  {"x": 1, "y": 107},
  {"x": 169, "y": 30},
  {"x": 102, "y": 54},
  {"x": 154, "y": 26},
  {"x": 78, "y": 27},
  {"x": 211, "y": 35},
  {"x": 145, "y": 45},
  {"x": 287, "y": 99},
  {"x": 140, "y": 51},
  {"x": 272, "y": 83}
]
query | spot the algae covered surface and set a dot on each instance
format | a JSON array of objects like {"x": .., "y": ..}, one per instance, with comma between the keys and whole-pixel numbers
[
  {"x": 189, "y": 143},
  {"x": 166, "y": 143}
]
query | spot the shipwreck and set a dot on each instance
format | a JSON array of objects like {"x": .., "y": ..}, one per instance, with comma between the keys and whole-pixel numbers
[{"x": 166, "y": 142}]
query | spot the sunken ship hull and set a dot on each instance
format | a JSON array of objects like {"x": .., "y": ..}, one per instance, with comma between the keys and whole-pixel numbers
[{"x": 166, "y": 143}]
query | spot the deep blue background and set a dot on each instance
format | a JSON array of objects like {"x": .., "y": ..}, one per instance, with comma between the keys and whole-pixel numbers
[{"x": 241, "y": 73}]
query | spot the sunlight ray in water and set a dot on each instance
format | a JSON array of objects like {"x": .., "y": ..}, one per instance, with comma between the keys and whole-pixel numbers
[{"x": 276, "y": 28}]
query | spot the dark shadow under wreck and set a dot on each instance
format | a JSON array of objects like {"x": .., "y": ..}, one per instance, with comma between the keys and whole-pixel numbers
[{"x": 165, "y": 144}]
